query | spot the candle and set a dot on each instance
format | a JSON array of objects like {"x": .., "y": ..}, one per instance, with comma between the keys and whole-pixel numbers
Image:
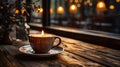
[{"x": 40, "y": 35}]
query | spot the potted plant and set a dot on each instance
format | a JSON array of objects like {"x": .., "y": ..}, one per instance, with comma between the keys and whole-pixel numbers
[{"x": 8, "y": 19}]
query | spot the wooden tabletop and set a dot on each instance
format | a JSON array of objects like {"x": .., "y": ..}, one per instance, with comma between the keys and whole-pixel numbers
[{"x": 76, "y": 54}]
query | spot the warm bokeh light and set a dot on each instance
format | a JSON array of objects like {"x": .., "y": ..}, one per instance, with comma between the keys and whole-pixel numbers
[
  {"x": 40, "y": 10},
  {"x": 76, "y": 1},
  {"x": 73, "y": 8},
  {"x": 101, "y": 6},
  {"x": 88, "y": 1},
  {"x": 90, "y": 4},
  {"x": 85, "y": 3},
  {"x": 71, "y": 1},
  {"x": 80, "y": 1},
  {"x": 1, "y": 7},
  {"x": 111, "y": 7},
  {"x": 60, "y": 10},
  {"x": 78, "y": 5},
  {"x": 51, "y": 11},
  {"x": 23, "y": 11},
  {"x": 118, "y": 1},
  {"x": 16, "y": 11}
]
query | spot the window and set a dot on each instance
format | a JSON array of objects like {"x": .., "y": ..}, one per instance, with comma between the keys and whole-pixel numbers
[{"x": 83, "y": 14}]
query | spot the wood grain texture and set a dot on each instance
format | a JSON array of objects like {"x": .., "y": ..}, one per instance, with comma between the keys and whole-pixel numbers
[{"x": 76, "y": 54}]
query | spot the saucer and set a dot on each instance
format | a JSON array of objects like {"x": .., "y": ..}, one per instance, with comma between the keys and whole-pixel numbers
[{"x": 26, "y": 49}]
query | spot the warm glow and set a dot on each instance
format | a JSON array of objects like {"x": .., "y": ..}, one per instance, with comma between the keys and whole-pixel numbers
[
  {"x": 111, "y": 7},
  {"x": 80, "y": 1},
  {"x": 73, "y": 8},
  {"x": 88, "y": 1},
  {"x": 51, "y": 11},
  {"x": 23, "y": 11},
  {"x": 16, "y": 11},
  {"x": 78, "y": 5},
  {"x": 40, "y": 10},
  {"x": 101, "y": 6},
  {"x": 71, "y": 1},
  {"x": 117, "y": 1},
  {"x": 1, "y": 7},
  {"x": 76, "y": 1},
  {"x": 42, "y": 33},
  {"x": 85, "y": 3},
  {"x": 90, "y": 4},
  {"x": 60, "y": 10}
]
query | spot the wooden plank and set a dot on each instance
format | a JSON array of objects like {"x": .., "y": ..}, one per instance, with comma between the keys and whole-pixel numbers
[
  {"x": 29, "y": 61},
  {"x": 73, "y": 59},
  {"x": 6, "y": 60},
  {"x": 115, "y": 54},
  {"x": 76, "y": 54},
  {"x": 88, "y": 55},
  {"x": 109, "y": 54},
  {"x": 60, "y": 63},
  {"x": 13, "y": 51},
  {"x": 92, "y": 46}
]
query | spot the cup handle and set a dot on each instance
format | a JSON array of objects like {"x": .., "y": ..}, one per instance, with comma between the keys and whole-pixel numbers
[{"x": 58, "y": 42}]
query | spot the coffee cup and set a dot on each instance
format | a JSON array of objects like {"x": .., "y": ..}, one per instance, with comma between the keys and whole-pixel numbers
[{"x": 43, "y": 43}]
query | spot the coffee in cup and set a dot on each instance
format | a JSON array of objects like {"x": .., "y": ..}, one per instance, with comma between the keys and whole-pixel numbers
[{"x": 43, "y": 43}]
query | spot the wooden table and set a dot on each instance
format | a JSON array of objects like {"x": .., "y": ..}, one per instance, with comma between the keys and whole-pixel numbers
[{"x": 76, "y": 54}]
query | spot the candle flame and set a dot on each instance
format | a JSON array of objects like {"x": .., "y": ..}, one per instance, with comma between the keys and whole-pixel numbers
[{"x": 42, "y": 33}]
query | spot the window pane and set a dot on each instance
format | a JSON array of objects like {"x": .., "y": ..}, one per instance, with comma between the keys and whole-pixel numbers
[{"x": 86, "y": 14}]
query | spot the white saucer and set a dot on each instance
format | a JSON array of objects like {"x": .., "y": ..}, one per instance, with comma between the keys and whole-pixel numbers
[{"x": 29, "y": 51}]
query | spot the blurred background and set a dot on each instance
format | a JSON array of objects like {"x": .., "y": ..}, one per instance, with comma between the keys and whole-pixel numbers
[{"x": 98, "y": 15}]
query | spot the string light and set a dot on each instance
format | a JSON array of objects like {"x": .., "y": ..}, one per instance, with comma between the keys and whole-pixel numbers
[
  {"x": 76, "y": 1},
  {"x": 85, "y": 3},
  {"x": 40, "y": 10},
  {"x": 73, "y": 8},
  {"x": 112, "y": 7},
  {"x": 23, "y": 11},
  {"x": 118, "y": 1},
  {"x": 101, "y": 6},
  {"x": 88, "y": 2},
  {"x": 51, "y": 11},
  {"x": 60, "y": 10},
  {"x": 80, "y": 1},
  {"x": 79, "y": 5},
  {"x": 71, "y": 1},
  {"x": 16, "y": 11}
]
